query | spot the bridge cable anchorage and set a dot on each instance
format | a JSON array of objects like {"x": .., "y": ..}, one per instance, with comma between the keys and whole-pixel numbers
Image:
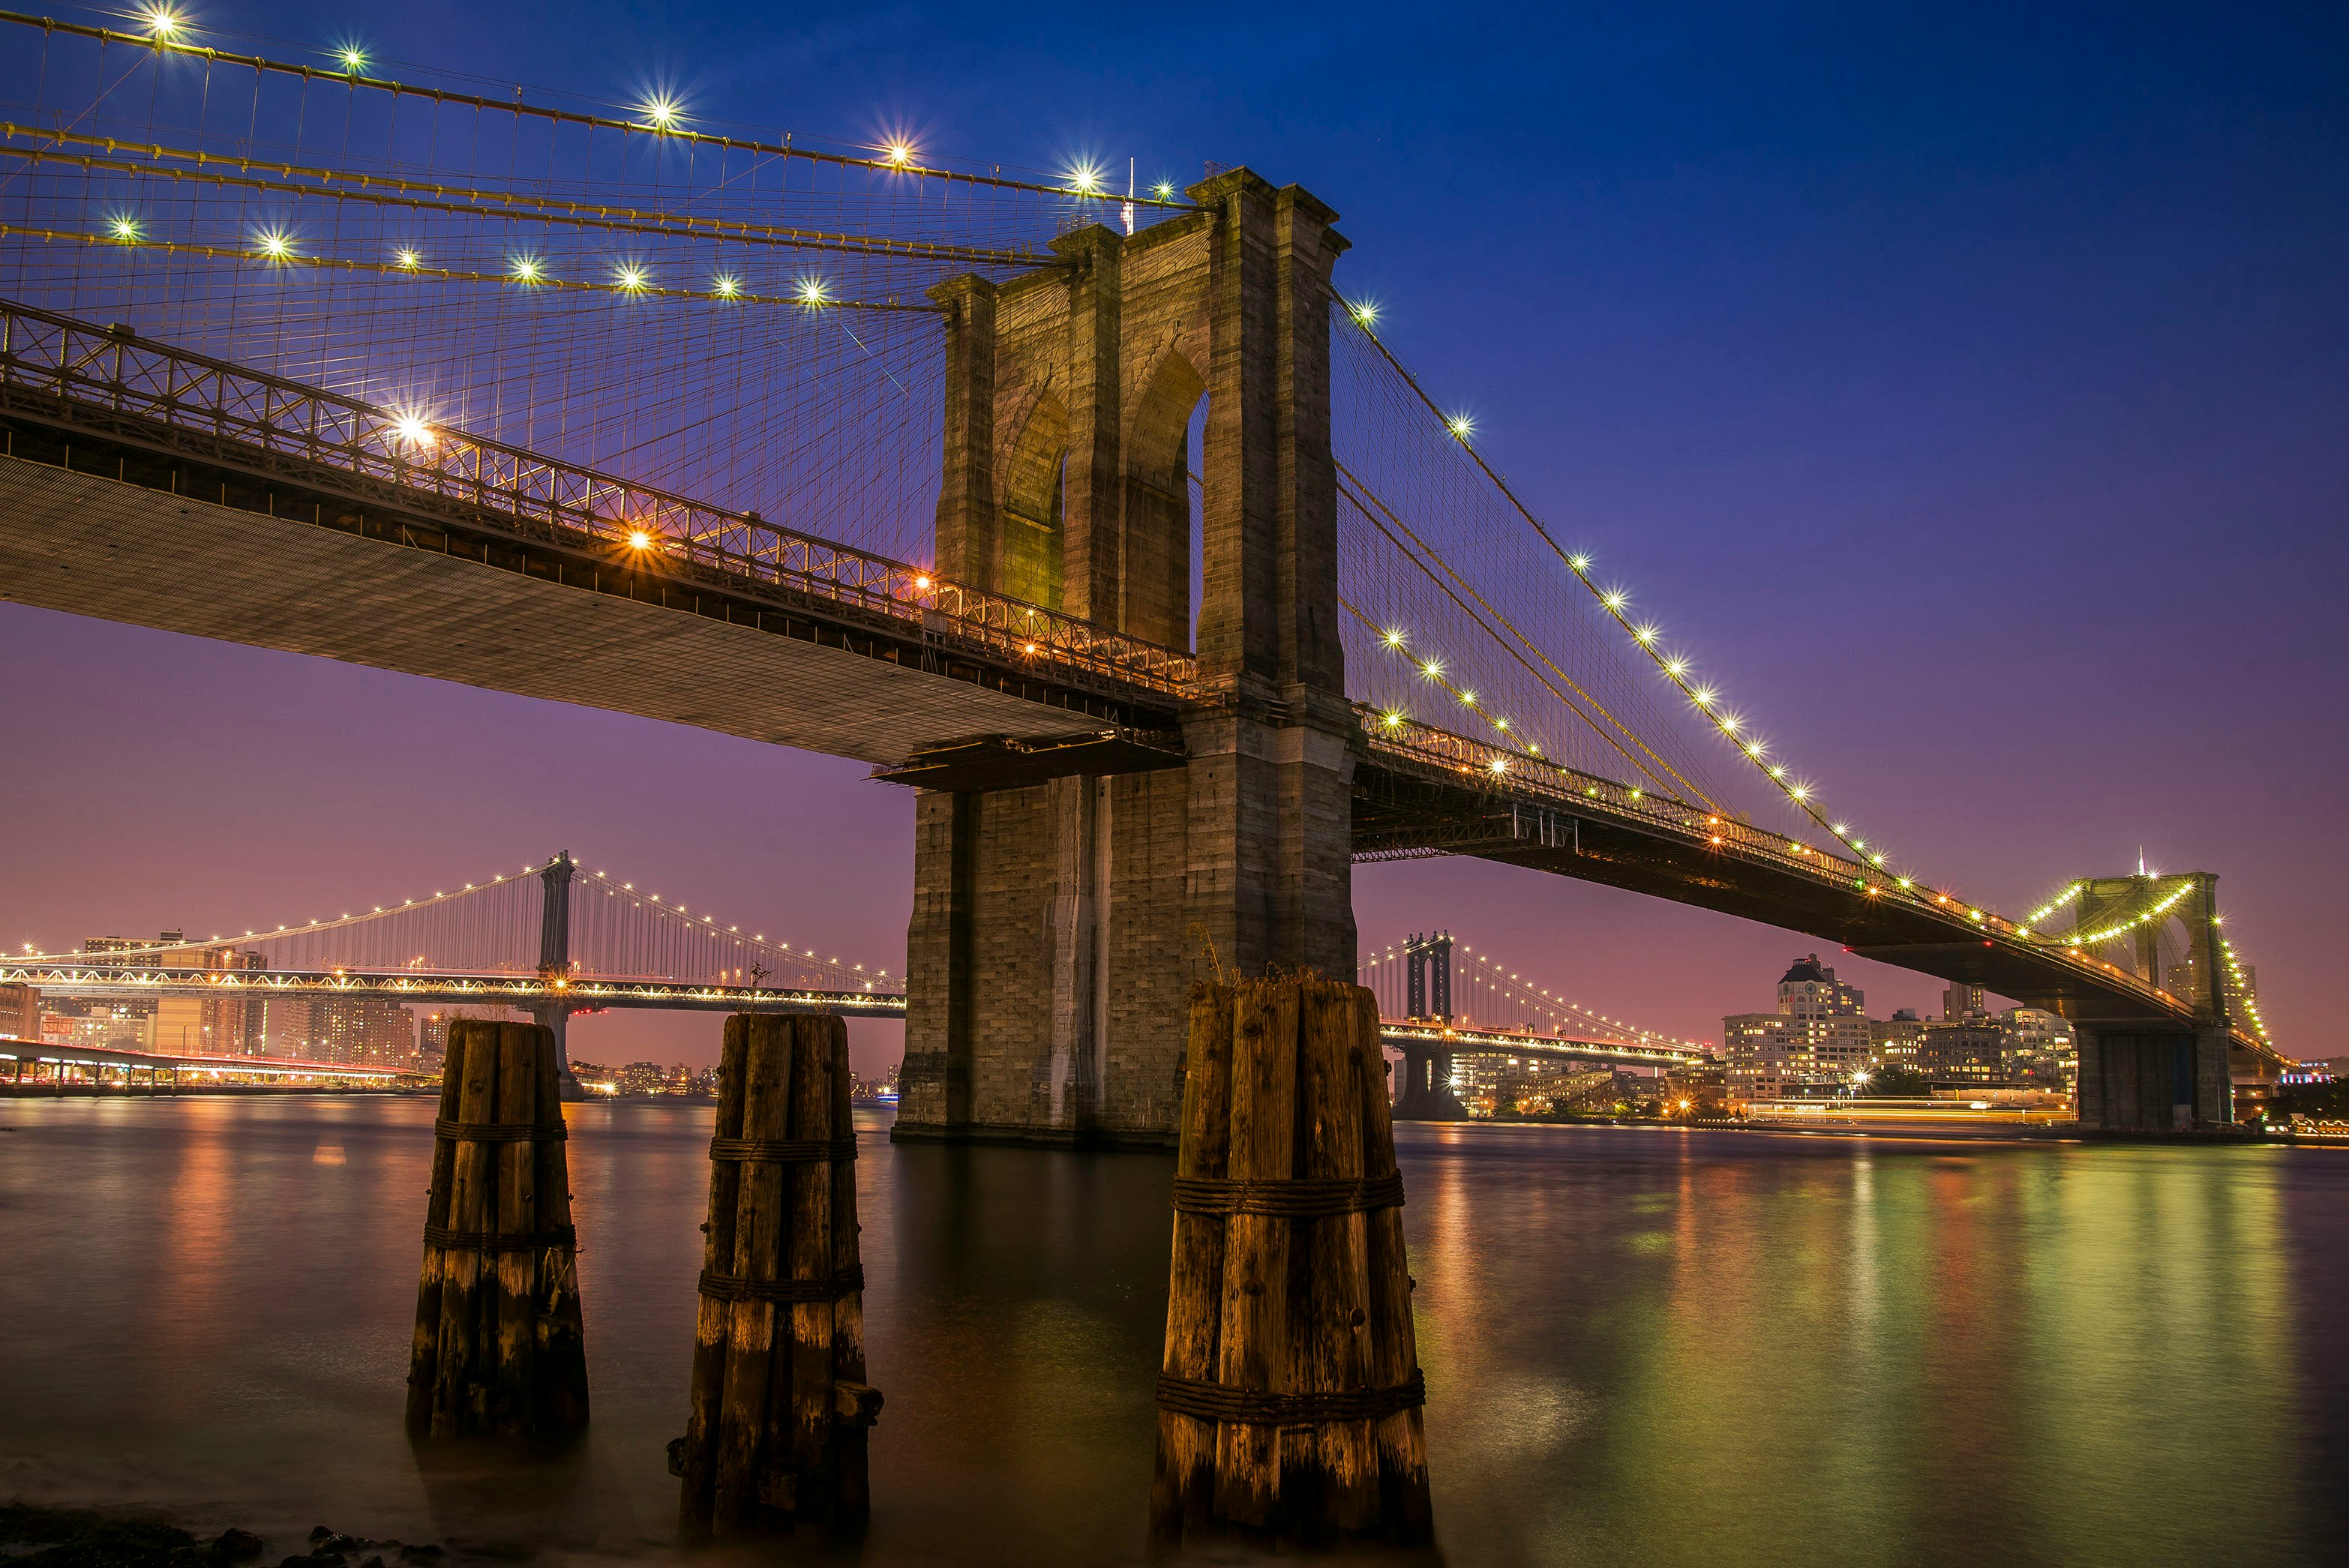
[
  {"x": 517, "y": 107},
  {"x": 1613, "y": 603},
  {"x": 389, "y": 190},
  {"x": 537, "y": 279}
]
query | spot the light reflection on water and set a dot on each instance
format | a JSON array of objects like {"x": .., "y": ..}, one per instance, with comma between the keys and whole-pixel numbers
[{"x": 1643, "y": 1346}]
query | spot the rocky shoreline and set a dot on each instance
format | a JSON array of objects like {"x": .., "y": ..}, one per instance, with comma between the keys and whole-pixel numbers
[{"x": 34, "y": 1537}]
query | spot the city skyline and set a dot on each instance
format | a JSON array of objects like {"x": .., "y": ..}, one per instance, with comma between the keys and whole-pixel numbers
[{"x": 1966, "y": 431}]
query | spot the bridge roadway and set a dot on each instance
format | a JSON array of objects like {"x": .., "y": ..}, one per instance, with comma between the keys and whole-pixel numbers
[
  {"x": 43, "y": 1053},
  {"x": 129, "y": 470},
  {"x": 129, "y": 983}
]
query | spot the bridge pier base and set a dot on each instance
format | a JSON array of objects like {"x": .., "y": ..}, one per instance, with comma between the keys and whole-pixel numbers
[
  {"x": 1426, "y": 1094},
  {"x": 1046, "y": 963},
  {"x": 554, "y": 1017},
  {"x": 2145, "y": 1081}
]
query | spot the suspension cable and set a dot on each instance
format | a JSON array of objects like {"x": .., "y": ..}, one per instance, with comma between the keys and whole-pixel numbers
[
  {"x": 517, "y": 107},
  {"x": 388, "y": 191}
]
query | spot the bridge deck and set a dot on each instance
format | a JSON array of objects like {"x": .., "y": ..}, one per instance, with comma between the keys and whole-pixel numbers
[
  {"x": 147, "y": 983},
  {"x": 121, "y": 552}
]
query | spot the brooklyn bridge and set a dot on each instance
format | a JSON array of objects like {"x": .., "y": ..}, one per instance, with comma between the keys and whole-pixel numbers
[{"x": 1102, "y": 517}]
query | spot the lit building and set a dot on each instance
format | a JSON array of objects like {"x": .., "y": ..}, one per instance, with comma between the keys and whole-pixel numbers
[
  {"x": 432, "y": 1027},
  {"x": 1499, "y": 1085},
  {"x": 1893, "y": 1042},
  {"x": 114, "y": 1026},
  {"x": 2041, "y": 1047},
  {"x": 356, "y": 1031},
  {"x": 194, "y": 1026},
  {"x": 1972, "y": 1051},
  {"x": 432, "y": 1035},
  {"x": 20, "y": 1013},
  {"x": 651, "y": 1077},
  {"x": 1818, "y": 1038}
]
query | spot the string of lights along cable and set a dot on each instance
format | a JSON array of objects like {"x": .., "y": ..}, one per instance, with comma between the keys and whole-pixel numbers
[
  {"x": 1487, "y": 995},
  {"x": 617, "y": 931},
  {"x": 740, "y": 320}
]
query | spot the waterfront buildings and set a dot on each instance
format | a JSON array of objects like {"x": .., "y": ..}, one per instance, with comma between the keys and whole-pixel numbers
[
  {"x": 1820, "y": 1041},
  {"x": 205, "y": 1025},
  {"x": 352, "y": 1030},
  {"x": 1963, "y": 1051},
  {"x": 644, "y": 1079},
  {"x": 1541, "y": 1086},
  {"x": 345, "y": 1030},
  {"x": 1818, "y": 1036},
  {"x": 1894, "y": 1042},
  {"x": 2041, "y": 1048}
]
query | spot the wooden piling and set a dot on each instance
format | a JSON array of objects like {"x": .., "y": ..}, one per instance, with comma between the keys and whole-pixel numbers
[
  {"x": 775, "y": 1427},
  {"x": 499, "y": 1344},
  {"x": 1289, "y": 1395},
  {"x": 1398, "y": 1435}
]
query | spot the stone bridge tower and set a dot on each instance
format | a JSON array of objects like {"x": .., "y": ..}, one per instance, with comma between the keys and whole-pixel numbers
[
  {"x": 2158, "y": 1076},
  {"x": 1057, "y": 926}
]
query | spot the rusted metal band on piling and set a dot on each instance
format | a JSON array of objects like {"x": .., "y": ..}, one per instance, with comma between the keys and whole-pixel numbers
[
  {"x": 497, "y": 1241},
  {"x": 784, "y": 1151},
  {"x": 1302, "y": 1198},
  {"x": 734, "y": 1287},
  {"x": 1255, "y": 1408},
  {"x": 500, "y": 1132}
]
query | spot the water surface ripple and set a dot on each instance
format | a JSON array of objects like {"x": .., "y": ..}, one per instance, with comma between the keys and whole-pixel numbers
[{"x": 1643, "y": 1346}]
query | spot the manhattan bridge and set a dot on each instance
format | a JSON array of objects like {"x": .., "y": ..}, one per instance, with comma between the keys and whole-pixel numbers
[{"x": 1101, "y": 515}]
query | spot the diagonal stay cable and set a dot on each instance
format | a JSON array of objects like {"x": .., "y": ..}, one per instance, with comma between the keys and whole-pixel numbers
[
  {"x": 1372, "y": 627},
  {"x": 1801, "y": 799},
  {"x": 1350, "y": 478},
  {"x": 668, "y": 132}
]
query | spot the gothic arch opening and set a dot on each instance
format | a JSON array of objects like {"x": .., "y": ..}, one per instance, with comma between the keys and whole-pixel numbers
[
  {"x": 1160, "y": 524},
  {"x": 1035, "y": 504}
]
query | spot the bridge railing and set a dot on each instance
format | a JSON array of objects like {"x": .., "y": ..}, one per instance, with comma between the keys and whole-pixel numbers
[
  {"x": 46, "y": 353},
  {"x": 1518, "y": 773}
]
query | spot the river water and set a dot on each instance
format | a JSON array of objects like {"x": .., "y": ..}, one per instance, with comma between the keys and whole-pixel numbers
[{"x": 1643, "y": 1346}]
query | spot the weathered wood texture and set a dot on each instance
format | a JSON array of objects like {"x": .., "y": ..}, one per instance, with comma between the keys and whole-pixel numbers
[
  {"x": 1289, "y": 1392},
  {"x": 500, "y": 1346},
  {"x": 775, "y": 1430}
]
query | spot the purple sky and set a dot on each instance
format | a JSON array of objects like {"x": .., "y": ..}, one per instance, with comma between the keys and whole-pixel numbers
[{"x": 1967, "y": 391}]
